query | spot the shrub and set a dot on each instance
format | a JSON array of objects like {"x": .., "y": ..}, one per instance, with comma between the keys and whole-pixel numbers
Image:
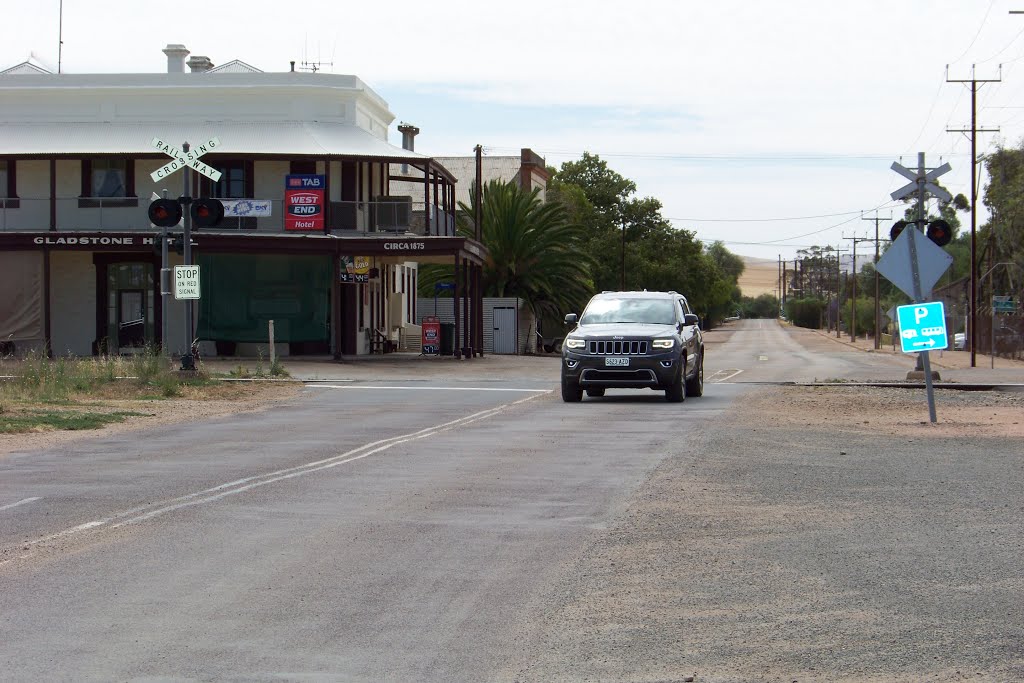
[{"x": 805, "y": 312}]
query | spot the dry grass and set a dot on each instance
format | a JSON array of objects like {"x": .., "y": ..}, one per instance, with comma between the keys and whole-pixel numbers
[{"x": 761, "y": 276}]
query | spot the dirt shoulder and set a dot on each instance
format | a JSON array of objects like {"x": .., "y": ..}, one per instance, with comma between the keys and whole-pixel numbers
[
  {"x": 812, "y": 534},
  {"x": 194, "y": 403}
]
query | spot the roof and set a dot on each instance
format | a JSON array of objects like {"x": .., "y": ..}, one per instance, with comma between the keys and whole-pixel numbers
[
  {"x": 236, "y": 66},
  {"x": 272, "y": 138},
  {"x": 24, "y": 68},
  {"x": 636, "y": 295}
]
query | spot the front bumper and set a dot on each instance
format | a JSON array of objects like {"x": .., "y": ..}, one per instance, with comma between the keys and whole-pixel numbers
[{"x": 652, "y": 371}]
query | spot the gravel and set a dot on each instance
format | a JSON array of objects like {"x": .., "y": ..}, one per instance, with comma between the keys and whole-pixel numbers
[{"x": 815, "y": 534}]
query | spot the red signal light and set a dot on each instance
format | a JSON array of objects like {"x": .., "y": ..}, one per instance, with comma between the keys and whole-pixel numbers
[
  {"x": 207, "y": 212},
  {"x": 164, "y": 213},
  {"x": 940, "y": 232},
  {"x": 897, "y": 228}
]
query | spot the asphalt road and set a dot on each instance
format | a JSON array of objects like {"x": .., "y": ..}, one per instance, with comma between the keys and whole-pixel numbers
[{"x": 374, "y": 530}]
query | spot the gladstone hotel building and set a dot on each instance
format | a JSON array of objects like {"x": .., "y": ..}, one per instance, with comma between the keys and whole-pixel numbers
[{"x": 313, "y": 239}]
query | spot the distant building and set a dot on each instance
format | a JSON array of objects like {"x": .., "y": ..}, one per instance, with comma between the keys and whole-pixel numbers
[{"x": 527, "y": 170}]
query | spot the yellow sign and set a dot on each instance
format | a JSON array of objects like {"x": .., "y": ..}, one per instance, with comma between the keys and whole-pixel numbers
[{"x": 355, "y": 268}]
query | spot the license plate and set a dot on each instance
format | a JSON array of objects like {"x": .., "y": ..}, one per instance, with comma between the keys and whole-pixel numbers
[{"x": 619, "y": 362}]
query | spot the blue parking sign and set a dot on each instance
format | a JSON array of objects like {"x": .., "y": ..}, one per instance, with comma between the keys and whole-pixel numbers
[{"x": 922, "y": 327}]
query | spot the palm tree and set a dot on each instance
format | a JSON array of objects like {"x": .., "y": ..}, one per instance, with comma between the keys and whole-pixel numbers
[{"x": 533, "y": 251}]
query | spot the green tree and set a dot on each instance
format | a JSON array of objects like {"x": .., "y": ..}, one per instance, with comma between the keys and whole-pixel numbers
[
  {"x": 731, "y": 265},
  {"x": 764, "y": 306},
  {"x": 634, "y": 247},
  {"x": 533, "y": 251},
  {"x": 1004, "y": 198}
]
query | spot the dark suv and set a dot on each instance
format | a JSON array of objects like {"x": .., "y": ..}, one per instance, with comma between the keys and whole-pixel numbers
[{"x": 633, "y": 340}]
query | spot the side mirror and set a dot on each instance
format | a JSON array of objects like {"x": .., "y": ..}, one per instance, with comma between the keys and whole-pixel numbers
[
  {"x": 570, "y": 318},
  {"x": 691, "y": 319}
]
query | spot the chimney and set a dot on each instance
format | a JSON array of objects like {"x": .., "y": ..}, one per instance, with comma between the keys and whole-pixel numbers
[
  {"x": 409, "y": 133},
  {"x": 199, "y": 64},
  {"x": 175, "y": 58}
]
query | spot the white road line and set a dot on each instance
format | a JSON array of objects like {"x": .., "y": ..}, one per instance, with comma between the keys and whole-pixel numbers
[
  {"x": 220, "y": 491},
  {"x": 20, "y": 502},
  {"x": 717, "y": 379},
  {"x": 363, "y": 386}
]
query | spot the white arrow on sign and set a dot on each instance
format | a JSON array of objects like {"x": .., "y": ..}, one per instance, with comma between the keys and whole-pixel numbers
[{"x": 189, "y": 159}]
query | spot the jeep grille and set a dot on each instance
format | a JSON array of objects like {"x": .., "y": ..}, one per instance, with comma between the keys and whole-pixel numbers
[{"x": 618, "y": 348}]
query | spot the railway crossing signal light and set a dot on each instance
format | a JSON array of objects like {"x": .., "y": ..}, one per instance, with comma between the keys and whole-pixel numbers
[
  {"x": 164, "y": 213},
  {"x": 207, "y": 213},
  {"x": 897, "y": 228},
  {"x": 940, "y": 232}
]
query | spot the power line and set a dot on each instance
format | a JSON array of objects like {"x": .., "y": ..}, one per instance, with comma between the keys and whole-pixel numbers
[
  {"x": 763, "y": 220},
  {"x": 703, "y": 157},
  {"x": 1005, "y": 48},
  {"x": 817, "y": 232},
  {"x": 973, "y": 40}
]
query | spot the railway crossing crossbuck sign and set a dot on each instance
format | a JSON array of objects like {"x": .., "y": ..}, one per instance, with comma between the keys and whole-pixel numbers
[{"x": 189, "y": 159}]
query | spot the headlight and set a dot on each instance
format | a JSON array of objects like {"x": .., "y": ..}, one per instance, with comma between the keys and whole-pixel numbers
[
  {"x": 571, "y": 343},
  {"x": 663, "y": 343}
]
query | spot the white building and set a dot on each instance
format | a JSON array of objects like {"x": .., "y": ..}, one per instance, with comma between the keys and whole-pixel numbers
[{"x": 79, "y": 258}]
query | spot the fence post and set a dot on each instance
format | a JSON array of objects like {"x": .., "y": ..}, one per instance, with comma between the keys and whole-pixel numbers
[{"x": 273, "y": 354}]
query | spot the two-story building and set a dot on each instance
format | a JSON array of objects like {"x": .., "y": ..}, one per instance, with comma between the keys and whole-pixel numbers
[{"x": 82, "y": 157}]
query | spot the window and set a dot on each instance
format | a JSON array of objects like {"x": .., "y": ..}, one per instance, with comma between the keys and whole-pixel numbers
[
  {"x": 8, "y": 189},
  {"x": 109, "y": 178},
  {"x": 108, "y": 181},
  {"x": 236, "y": 182}
]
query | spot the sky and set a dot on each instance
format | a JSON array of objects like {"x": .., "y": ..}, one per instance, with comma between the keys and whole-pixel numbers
[{"x": 770, "y": 125}]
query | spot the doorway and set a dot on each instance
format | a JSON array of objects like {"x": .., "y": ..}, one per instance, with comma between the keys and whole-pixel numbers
[{"x": 127, "y": 319}]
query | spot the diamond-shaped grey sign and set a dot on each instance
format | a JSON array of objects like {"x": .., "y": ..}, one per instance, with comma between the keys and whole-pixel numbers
[{"x": 932, "y": 262}]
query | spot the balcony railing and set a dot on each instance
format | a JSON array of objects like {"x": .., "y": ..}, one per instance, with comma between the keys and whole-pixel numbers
[{"x": 385, "y": 217}]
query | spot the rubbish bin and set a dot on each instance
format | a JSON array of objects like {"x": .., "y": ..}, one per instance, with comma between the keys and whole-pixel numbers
[{"x": 447, "y": 339}]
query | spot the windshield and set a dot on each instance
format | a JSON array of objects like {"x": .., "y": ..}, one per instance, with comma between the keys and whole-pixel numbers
[{"x": 631, "y": 310}]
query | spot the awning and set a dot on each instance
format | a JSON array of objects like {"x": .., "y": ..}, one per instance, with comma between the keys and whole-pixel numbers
[{"x": 288, "y": 138}]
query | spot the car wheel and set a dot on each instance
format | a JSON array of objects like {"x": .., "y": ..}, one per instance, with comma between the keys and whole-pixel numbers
[
  {"x": 695, "y": 385},
  {"x": 571, "y": 391},
  {"x": 595, "y": 391},
  {"x": 676, "y": 392}
]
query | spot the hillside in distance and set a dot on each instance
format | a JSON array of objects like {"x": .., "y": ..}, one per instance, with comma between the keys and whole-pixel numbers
[{"x": 760, "y": 276}]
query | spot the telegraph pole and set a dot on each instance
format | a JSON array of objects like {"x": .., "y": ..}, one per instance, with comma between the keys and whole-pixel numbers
[
  {"x": 853, "y": 306},
  {"x": 878, "y": 306},
  {"x": 974, "y": 130},
  {"x": 839, "y": 285}
]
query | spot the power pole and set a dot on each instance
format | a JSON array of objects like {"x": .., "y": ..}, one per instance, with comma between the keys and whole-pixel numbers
[
  {"x": 878, "y": 306},
  {"x": 478, "y": 197},
  {"x": 782, "y": 296},
  {"x": 783, "y": 264},
  {"x": 839, "y": 285},
  {"x": 853, "y": 299},
  {"x": 974, "y": 130}
]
